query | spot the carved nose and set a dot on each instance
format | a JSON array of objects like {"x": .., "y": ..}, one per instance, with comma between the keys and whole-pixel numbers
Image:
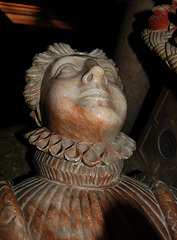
[{"x": 96, "y": 74}]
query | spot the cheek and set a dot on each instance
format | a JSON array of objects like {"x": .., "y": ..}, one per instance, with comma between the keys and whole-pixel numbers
[
  {"x": 71, "y": 120},
  {"x": 118, "y": 99},
  {"x": 62, "y": 88}
]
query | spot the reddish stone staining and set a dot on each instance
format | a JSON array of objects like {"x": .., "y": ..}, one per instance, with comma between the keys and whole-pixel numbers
[
  {"x": 160, "y": 18},
  {"x": 75, "y": 122},
  {"x": 167, "y": 202}
]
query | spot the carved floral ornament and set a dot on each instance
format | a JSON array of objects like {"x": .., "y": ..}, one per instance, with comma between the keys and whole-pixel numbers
[{"x": 160, "y": 37}]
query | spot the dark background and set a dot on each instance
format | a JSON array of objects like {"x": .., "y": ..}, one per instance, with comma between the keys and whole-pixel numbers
[{"x": 95, "y": 25}]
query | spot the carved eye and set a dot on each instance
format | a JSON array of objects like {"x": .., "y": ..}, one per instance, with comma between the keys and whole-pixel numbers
[
  {"x": 66, "y": 70},
  {"x": 110, "y": 75}
]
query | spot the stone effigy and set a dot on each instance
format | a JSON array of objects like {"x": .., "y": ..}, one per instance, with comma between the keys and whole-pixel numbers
[{"x": 77, "y": 101}]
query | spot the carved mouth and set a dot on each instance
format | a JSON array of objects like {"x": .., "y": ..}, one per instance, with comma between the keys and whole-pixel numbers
[{"x": 97, "y": 93}]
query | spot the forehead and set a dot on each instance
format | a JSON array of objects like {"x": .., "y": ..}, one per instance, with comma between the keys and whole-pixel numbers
[{"x": 79, "y": 61}]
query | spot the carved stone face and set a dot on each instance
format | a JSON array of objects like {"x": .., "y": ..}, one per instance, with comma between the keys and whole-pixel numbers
[{"x": 80, "y": 100}]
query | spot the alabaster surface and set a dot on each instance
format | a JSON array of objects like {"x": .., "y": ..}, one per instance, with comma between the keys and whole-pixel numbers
[
  {"x": 79, "y": 193},
  {"x": 82, "y": 88}
]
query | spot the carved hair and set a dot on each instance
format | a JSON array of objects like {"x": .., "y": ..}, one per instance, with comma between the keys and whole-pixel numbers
[{"x": 41, "y": 61}]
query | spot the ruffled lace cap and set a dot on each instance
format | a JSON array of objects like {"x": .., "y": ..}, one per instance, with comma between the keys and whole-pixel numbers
[{"x": 80, "y": 163}]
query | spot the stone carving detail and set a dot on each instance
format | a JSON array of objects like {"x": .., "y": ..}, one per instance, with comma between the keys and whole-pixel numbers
[
  {"x": 168, "y": 203},
  {"x": 12, "y": 224},
  {"x": 77, "y": 101},
  {"x": 74, "y": 151},
  {"x": 52, "y": 207},
  {"x": 161, "y": 34}
]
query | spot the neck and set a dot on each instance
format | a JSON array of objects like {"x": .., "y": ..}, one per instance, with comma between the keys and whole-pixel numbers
[{"x": 79, "y": 163}]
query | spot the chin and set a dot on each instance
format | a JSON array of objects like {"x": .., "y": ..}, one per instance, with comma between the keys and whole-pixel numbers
[
  {"x": 109, "y": 116},
  {"x": 72, "y": 120}
]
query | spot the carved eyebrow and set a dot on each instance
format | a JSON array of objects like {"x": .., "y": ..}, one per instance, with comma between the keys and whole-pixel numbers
[
  {"x": 58, "y": 66},
  {"x": 63, "y": 66},
  {"x": 65, "y": 61},
  {"x": 111, "y": 70}
]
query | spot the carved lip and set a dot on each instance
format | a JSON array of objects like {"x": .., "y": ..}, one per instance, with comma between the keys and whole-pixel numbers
[{"x": 95, "y": 92}]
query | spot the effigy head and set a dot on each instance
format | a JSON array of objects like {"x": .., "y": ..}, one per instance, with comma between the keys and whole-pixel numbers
[{"x": 76, "y": 94}]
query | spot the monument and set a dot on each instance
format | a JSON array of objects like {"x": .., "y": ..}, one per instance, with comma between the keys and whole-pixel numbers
[{"x": 77, "y": 101}]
